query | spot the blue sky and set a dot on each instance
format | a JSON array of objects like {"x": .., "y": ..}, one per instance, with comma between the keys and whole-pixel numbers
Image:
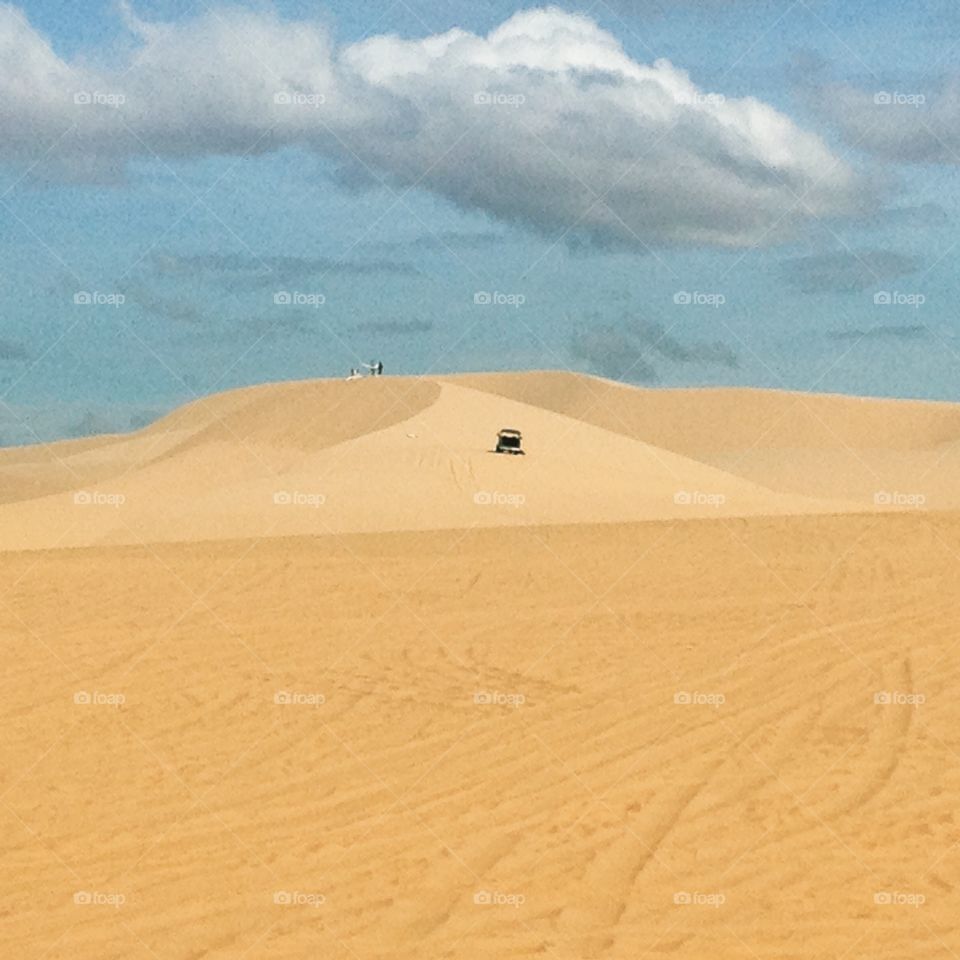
[{"x": 750, "y": 236}]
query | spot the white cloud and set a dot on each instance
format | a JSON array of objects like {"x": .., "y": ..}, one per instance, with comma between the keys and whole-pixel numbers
[{"x": 546, "y": 122}]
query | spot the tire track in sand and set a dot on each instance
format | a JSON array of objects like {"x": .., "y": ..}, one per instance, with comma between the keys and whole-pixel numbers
[{"x": 612, "y": 874}]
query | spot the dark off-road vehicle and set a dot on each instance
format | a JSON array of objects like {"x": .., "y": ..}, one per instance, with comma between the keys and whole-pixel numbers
[{"x": 509, "y": 441}]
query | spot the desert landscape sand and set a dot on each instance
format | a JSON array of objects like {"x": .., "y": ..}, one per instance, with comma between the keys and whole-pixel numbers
[{"x": 304, "y": 670}]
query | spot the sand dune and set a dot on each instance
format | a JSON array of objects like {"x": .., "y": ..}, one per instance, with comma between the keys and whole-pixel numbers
[
  {"x": 412, "y": 717},
  {"x": 404, "y": 454},
  {"x": 813, "y": 444}
]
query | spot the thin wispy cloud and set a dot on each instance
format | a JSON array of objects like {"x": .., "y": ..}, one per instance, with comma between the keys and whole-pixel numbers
[
  {"x": 907, "y": 331},
  {"x": 442, "y": 240},
  {"x": 10, "y": 350},
  {"x": 172, "y": 309},
  {"x": 395, "y": 327},
  {"x": 915, "y": 217},
  {"x": 253, "y": 271},
  {"x": 913, "y": 122},
  {"x": 636, "y": 350},
  {"x": 847, "y": 271}
]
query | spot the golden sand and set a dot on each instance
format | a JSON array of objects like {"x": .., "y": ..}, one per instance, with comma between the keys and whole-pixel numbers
[{"x": 304, "y": 670}]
